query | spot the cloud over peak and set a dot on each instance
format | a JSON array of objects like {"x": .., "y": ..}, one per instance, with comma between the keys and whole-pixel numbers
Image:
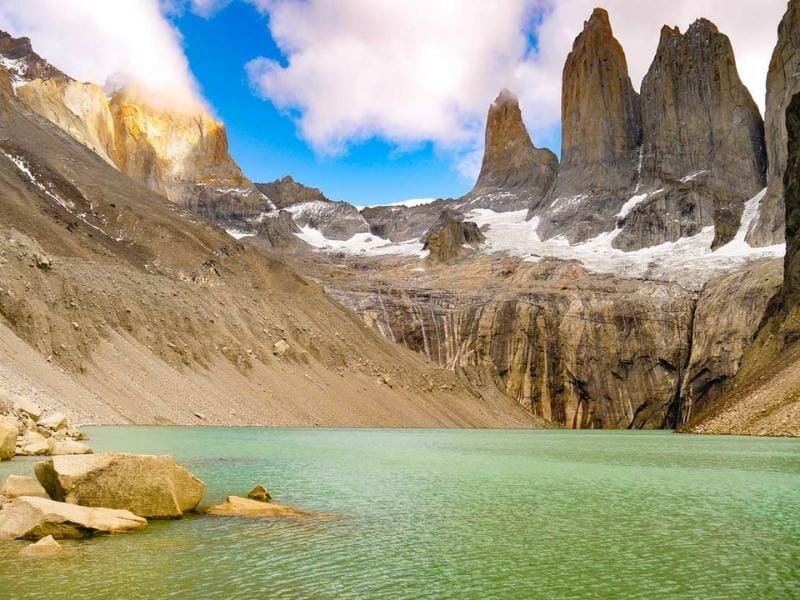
[
  {"x": 417, "y": 71},
  {"x": 110, "y": 42}
]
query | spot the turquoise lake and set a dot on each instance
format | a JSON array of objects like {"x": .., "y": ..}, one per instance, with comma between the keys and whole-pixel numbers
[{"x": 450, "y": 514}]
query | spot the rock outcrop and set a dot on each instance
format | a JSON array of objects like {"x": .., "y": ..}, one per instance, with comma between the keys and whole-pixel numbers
[
  {"x": 703, "y": 141},
  {"x": 782, "y": 84},
  {"x": 601, "y": 134},
  {"x": 8, "y": 438},
  {"x": 451, "y": 237},
  {"x": 148, "y": 486},
  {"x": 30, "y": 518},
  {"x": 16, "y": 486},
  {"x": 402, "y": 223},
  {"x": 286, "y": 192},
  {"x": 335, "y": 220},
  {"x": 236, "y": 506},
  {"x": 260, "y": 494},
  {"x": 514, "y": 174},
  {"x": 47, "y": 547},
  {"x": 277, "y": 231}
]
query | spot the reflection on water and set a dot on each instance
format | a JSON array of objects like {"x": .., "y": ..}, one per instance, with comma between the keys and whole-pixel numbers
[{"x": 451, "y": 514}]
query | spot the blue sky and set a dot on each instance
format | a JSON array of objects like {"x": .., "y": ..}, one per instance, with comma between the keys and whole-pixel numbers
[{"x": 266, "y": 142}]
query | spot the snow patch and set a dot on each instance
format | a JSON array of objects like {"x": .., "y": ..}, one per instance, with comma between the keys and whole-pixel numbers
[
  {"x": 688, "y": 261},
  {"x": 238, "y": 234},
  {"x": 361, "y": 244},
  {"x": 411, "y": 202}
]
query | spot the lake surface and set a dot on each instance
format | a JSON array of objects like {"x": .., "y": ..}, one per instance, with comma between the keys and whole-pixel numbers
[{"x": 451, "y": 514}]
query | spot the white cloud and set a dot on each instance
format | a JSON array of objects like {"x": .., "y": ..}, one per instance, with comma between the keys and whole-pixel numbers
[
  {"x": 417, "y": 70},
  {"x": 406, "y": 71},
  {"x": 114, "y": 42}
]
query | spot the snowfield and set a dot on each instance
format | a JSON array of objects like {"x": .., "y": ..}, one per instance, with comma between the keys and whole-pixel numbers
[{"x": 688, "y": 261}]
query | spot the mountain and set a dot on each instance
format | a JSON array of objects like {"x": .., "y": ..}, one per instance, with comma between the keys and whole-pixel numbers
[
  {"x": 615, "y": 289},
  {"x": 703, "y": 152},
  {"x": 782, "y": 84},
  {"x": 180, "y": 153},
  {"x": 118, "y": 305},
  {"x": 514, "y": 173},
  {"x": 601, "y": 134}
]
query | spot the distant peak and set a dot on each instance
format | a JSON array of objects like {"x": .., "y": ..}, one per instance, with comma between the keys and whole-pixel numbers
[
  {"x": 506, "y": 96},
  {"x": 599, "y": 19}
]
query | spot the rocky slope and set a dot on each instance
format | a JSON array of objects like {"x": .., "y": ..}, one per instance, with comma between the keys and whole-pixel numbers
[
  {"x": 782, "y": 84},
  {"x": 601, "y": 134},
  {"x": 117, "y": 306},
  {"x": 764, "y": 397},
  {"x": 514, "y": 173}
]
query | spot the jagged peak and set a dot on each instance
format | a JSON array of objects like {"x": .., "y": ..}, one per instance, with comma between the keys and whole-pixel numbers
[
  {"x": 598, "y": 20},
  {"x": 505, "y": 96}
]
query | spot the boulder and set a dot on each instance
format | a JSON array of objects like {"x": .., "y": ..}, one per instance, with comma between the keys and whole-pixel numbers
[
  {"x": 280, "y": 348},
  {"x": 8, "y": 439},
  {"x": 59, "y": 447},
  {"x": 236, "y": 506},
  {"x": 16, "y": 486},
  {"x": 29, "y": 518},
  {"x": 26, "y": 406},
  {"x": 44, "y": 548},
  {"x": 54, "y": 422},
  {"x": 147, "y": 485},
  {"x": 260, "y": 494},
  {"x": 33, "y": 444}
]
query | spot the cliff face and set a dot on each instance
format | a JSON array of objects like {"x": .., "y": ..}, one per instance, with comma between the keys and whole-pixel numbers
[
  {"x": 573, "y": 348},
  {"x": 764, "y": 397},
  {"x": 181, "y": 154},
  {"x": 601, "y": 133},
  {"x": 514, "y": 174},
  {"x": 782, "y": 84},
  {"x": 791, "y": 187},
  {"x": 703, "y": 141}
]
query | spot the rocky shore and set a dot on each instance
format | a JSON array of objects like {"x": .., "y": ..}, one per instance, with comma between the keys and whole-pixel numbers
[
  {"x": 26, "y": 430},
  {"x": 80, "y": 496}
]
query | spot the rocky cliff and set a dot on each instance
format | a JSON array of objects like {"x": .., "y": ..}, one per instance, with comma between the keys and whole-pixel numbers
[
  {"x": 601, "y": 134},
  {"x": 514, "y": 174},
  {"x": 181, "y": 154},
  {"x": 702, "y": 142},
  {"x": 570, "y": 348},
  {"x": 782, "y": 84}
]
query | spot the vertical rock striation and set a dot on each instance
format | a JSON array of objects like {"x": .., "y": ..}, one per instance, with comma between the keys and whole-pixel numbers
[
  {"x": 791, "y": 185},
  {"x": 703, "y": 141},
  {"x": 514, "y": 173},
  {"x": 601, "y": 133},
  {"x": 782, "y": 83}
]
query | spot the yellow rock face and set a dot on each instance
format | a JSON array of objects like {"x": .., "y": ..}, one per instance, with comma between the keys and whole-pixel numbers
[
  {"x": 170, "y": 150},
  {"x": 181, "y": 154},
  {"x": 80, "y": 109}
]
